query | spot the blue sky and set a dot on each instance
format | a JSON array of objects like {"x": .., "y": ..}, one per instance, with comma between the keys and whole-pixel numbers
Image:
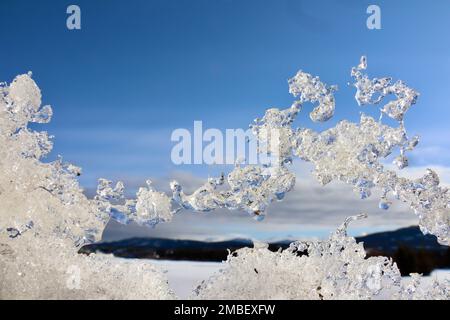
[{"x": 139, "y": 69}]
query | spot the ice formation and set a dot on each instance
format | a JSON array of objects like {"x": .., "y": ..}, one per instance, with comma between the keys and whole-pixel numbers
[
  {"x": 349, "y": 152},
  {"x": 45, "y": 217},
  {"x": 332, "y": 269}
]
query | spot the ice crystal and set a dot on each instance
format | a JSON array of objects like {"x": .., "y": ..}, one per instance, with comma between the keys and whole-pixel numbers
[
  {"x": 311, "y": 89},
  {"x": 43, "y": 213},
  {"x": 251, "y": 189},
  {"x": 45, "y": 216},
  {"x": 349, "y": 152},
  {"x": 336, "y": 268},
  {"x": 372, "y": 91},
  {"x": 35, "y": 268}
]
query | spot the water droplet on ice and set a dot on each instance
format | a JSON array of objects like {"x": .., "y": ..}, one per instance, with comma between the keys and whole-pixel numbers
[
  {"x": 362, "y": 63},
  {"x": 384, "y": 205}
]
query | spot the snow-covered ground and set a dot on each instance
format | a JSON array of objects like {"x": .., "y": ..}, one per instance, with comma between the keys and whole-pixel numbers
[
  {"x": 439, "y": 274},
  {"x": 185, "y": 276}
]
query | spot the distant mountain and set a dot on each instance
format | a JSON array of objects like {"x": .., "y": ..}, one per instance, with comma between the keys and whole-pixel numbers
[
  {"x": 408, "y": 247},
  {"x": 411, "y": 237},
  {"x": 174, "y": 249}
]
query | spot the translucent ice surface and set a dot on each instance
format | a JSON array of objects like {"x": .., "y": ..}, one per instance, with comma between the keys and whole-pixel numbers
[
  {"x": 349, "y": 152},
  {"x": 45, "y": 216},
  {"x": 336, "y": 268}
]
